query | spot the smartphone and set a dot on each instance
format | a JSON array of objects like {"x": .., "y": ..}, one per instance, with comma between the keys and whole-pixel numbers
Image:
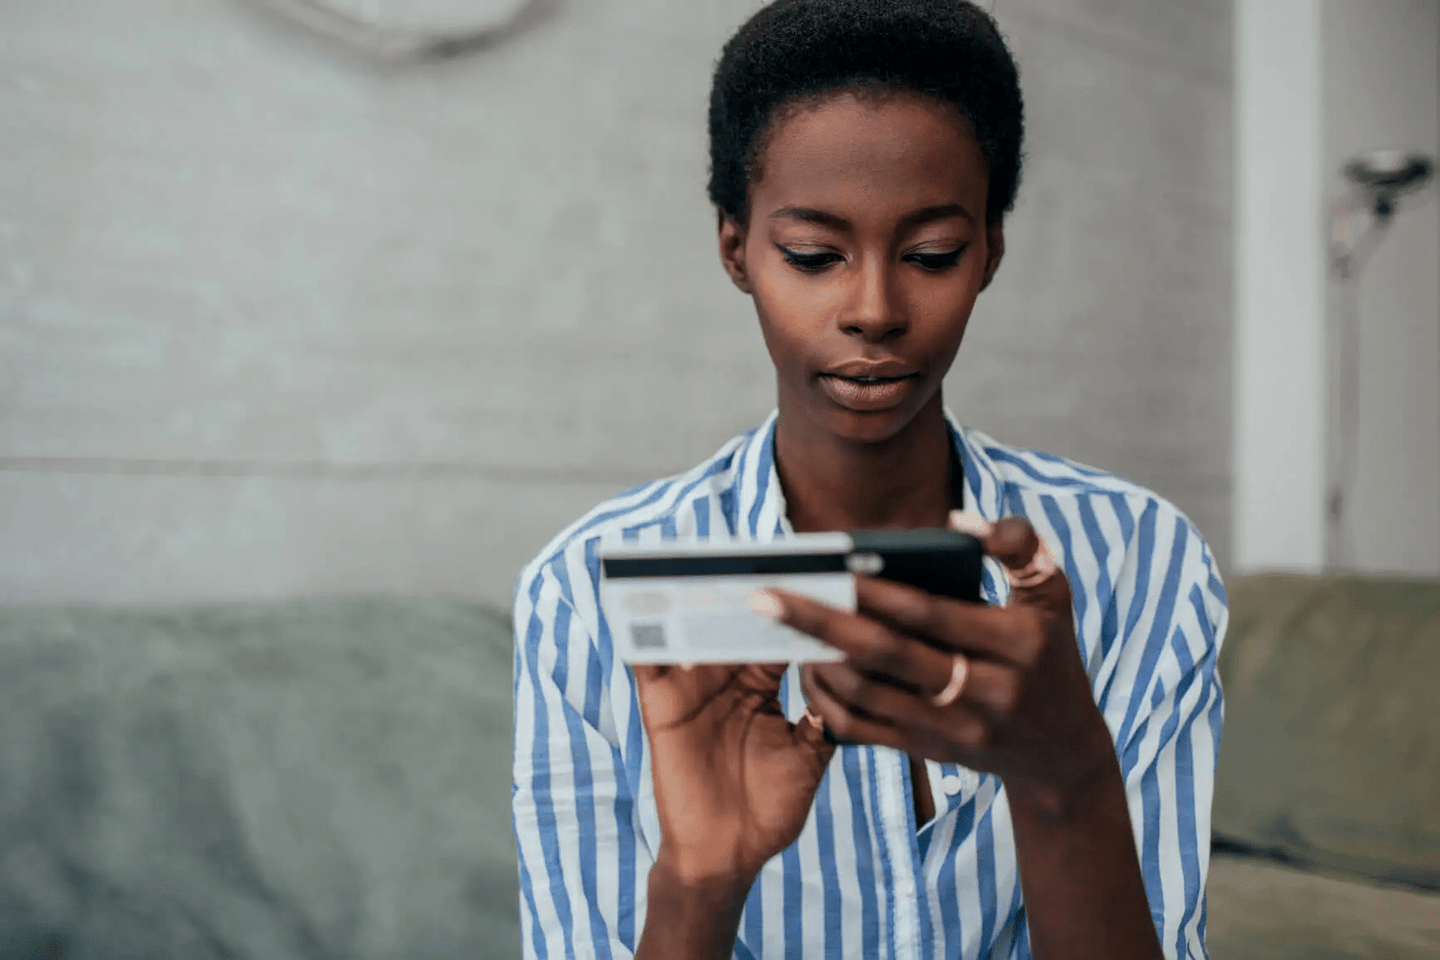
[
  {"x": 688, "y": 601},
  {"x": 940, "y": 561}
]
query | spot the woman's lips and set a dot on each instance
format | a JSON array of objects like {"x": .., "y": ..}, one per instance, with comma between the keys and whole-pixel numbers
[{"x": 867, "y": 394}]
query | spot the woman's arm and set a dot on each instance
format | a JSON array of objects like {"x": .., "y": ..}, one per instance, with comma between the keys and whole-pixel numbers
[
  {"x": 1164, "y": 708},
  {"x": 734, "y": 782},
  {"x": 1080, "y": 871},
  {"x": 581, "y": 856},
  {"x": 1004, "y": 690},
  {"x": 696, "y": 920},
  {"x": 1079, "y": 874}
]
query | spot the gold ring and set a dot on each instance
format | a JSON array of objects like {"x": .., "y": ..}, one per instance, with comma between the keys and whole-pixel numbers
[{"x": 959, "y": 673}]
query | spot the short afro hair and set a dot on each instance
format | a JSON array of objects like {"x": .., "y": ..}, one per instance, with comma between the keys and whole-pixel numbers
[{"x": 794, "y": 51}]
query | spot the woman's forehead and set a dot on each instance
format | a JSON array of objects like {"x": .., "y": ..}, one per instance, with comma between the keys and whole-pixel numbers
[{"x": 897, "y": 152}]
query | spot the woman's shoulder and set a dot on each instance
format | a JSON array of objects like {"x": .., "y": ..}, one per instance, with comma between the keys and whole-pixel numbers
[
  {"x": 1026, "y": 468},
  {"x": 1100, "y": 519},
  {"x": 1026, "y": 477},
  {"x": 1144, "y": 581}
]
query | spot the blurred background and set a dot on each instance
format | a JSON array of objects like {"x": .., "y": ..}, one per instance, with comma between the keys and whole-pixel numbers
[
  {"x": 277, "y": 320},
  {"x": 287, "y": 313}
]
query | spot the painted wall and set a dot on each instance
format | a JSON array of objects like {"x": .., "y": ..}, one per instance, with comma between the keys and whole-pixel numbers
[
  {"x": 276, "y": 323},
  {"x": 1279, "y": 436}
]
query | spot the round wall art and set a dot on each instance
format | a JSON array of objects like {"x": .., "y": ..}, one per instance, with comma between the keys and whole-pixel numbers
[{"x": 397, "y": 30}]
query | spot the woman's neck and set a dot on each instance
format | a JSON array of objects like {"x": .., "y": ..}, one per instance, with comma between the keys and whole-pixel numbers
[{"x": 835, "y": 484}]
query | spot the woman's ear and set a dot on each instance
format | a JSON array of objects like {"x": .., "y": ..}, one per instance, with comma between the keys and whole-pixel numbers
[
  {"x": 995, "y": 250},
  {"x": 732, "y": 250}
]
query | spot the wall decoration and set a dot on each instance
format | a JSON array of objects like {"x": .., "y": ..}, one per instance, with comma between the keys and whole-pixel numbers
[{"x": 411, "y": 30}]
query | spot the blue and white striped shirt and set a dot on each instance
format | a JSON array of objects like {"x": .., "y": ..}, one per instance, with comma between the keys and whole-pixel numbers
[{"x": 1150, "y": 615}]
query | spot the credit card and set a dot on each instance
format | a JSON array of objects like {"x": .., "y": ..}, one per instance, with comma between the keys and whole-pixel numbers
[{"x": 689, "y": 601}]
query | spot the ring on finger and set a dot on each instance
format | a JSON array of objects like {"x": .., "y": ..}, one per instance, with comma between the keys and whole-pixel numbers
[{"x": 959, "y": 673}]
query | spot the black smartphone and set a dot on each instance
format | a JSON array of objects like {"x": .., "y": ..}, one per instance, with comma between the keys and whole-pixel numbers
[{"x": 943, "y": 562}]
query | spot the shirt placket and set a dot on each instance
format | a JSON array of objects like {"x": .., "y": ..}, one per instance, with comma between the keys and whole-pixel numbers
[{"x": 892, "y": 769}]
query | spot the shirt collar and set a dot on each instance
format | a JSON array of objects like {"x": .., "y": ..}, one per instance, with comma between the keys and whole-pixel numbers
[{"x": 760, "y": 502}]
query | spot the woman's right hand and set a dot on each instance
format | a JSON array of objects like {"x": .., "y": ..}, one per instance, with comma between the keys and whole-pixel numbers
[{"x": 734, "y": 779}]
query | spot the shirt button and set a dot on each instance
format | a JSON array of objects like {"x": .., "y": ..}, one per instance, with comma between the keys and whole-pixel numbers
[{"x": 952, "y": 784}]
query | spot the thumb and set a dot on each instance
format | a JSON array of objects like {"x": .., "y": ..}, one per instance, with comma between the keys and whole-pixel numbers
[{"x": 1026, "y": 556}]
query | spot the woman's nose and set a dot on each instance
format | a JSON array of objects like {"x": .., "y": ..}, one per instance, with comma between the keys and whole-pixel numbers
[{"x": 874, "y": 311}]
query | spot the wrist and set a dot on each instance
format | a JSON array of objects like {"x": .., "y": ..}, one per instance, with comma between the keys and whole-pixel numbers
[
  {"x": 680, "y": 881},
  {"x": 1090, "y": 778},
  {"x": 1080, "y": 874},
  {"x": 689, "y": 916},
  {"x": 702, "y": 866}
]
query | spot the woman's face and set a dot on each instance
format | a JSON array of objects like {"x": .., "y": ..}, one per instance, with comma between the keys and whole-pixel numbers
[{"x": 865, "y": 248}]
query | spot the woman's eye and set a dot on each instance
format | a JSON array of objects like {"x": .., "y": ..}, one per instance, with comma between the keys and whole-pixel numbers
[
  {"x": 937, "y": 261},
  {"x": 810, "y": 261}
]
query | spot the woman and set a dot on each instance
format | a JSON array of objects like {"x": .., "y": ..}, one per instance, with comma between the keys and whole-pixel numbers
[{"x": 1029, "y": 777}]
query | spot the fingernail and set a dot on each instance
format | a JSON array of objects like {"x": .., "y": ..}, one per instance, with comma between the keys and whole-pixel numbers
[
  {"x": 766, "y": 604},
  {"x": 965, "y": 521},
  {"x": 814, "y": 718},
  {"x": 1040, "y": 568},
  {"x": 687, "y": 667}
]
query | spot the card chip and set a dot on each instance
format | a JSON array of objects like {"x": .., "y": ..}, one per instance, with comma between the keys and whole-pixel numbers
[{"x": 648, "y": 636}]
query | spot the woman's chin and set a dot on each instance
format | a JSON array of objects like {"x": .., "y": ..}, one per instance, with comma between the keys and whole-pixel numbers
[
  {"x": 822, "y": 416},
  {"x": 875, "y": 427}
]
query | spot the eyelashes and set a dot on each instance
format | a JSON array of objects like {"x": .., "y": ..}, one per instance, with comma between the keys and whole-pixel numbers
[
  {"x": 812, "y": 262},
  {"x": 937, "y": 261},
  {"x": 816, "y": 262}
]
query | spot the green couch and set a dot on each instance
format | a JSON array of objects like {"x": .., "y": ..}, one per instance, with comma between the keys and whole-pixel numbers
[
  {"x": 1327, "y": 798},
  {"x": 319, "y": 779},
  {"x": 331, "y": 779}
]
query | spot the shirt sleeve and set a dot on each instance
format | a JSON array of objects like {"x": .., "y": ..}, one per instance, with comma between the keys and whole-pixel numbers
[
  {"x": 572, "y": 807},
  {"x": 1163, "y": 703}
]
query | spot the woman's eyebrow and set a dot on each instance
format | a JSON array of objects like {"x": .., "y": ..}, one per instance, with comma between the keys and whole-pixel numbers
[
  {"x": 940, "y": 212},
  {"x": 811, "y": 215}
]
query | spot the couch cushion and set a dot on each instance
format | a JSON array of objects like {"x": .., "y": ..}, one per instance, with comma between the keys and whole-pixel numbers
[
  {"x": 1331, "y": 749},
  {"x": 313, "y": 779},
  {"x": 1266, "y": 911}
]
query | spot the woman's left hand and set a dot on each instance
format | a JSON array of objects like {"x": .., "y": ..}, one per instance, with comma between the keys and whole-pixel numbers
[{"x": 1024, "y": 710}]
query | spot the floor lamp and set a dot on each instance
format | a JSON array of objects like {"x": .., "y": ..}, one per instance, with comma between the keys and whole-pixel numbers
[{"x": 1377, "y": 182}]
